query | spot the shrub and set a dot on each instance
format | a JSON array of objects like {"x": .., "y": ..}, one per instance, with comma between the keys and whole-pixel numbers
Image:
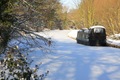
[{"x": 16, "y": 66}]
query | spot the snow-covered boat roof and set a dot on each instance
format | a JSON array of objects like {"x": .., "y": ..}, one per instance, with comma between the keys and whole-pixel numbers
[
  {"x": 86, "y": 30},
  {"x": 96, "y": 27}
]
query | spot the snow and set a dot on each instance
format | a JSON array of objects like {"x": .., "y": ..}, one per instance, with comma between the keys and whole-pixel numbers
[
  {"x": 113, "y": 42},
  {"x": 71, "y": 61},
  {"x": 114, "y": 39},
  {"x": 73, "y": 34}
]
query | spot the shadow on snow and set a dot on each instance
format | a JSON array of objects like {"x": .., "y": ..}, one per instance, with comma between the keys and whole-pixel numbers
[{"x": 72, "y": 61}]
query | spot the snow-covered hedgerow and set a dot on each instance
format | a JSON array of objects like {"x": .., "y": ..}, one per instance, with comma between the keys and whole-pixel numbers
[
  {"x": 15, "y": 65},
  {"x": 114, "y": 40}
]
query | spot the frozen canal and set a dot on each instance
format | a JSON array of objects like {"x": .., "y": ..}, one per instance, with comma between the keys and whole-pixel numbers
[{"x": 72, "y": 61}]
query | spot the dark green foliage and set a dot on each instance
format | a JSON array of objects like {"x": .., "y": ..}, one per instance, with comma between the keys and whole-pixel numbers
[
  {"x": 6, "y": 20},
  {"x": 16, "y": 66}
]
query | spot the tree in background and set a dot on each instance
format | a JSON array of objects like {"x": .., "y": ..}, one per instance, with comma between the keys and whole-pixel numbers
[
  {"x": 109, "y": 16},
  {"x": 41, "y": 13},
  {"x": 97, "y": 12},
  {"x": 88, "y": 12}
]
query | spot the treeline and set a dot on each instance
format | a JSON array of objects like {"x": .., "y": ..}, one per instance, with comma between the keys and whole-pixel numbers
[
  {"x": 19, "y": 17},
  {"x": 39, "y": 13},
  {"x": 98, "y": 12}
]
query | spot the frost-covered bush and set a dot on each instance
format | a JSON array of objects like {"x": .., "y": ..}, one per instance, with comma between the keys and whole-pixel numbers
[{"x": 15, "y": 65}]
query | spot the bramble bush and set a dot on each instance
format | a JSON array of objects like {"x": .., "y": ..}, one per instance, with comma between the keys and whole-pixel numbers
[{"x": 15, "y": 65}]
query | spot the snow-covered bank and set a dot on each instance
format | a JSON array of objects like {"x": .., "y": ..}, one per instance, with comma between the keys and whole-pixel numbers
[
  {"x": 73, "y": 34},
  {"x": 114, "y": 43},
  {"x": 114, "y": 40},
  {"x": 71, "y": 61}
]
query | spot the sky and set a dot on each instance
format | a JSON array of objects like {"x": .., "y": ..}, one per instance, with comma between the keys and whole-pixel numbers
[{"x": 70, "y": 4}]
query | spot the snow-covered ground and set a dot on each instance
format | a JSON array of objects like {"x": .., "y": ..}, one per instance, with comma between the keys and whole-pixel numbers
[
  {"x": 71, "y": 61},
  {"x": 114, "y": 39}
]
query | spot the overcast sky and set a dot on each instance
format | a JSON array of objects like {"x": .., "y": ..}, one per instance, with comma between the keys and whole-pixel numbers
[{"x": 71, "y": 4}]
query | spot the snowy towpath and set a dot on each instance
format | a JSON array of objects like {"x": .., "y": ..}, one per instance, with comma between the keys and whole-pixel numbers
[{"x": 72, "y": 61}]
